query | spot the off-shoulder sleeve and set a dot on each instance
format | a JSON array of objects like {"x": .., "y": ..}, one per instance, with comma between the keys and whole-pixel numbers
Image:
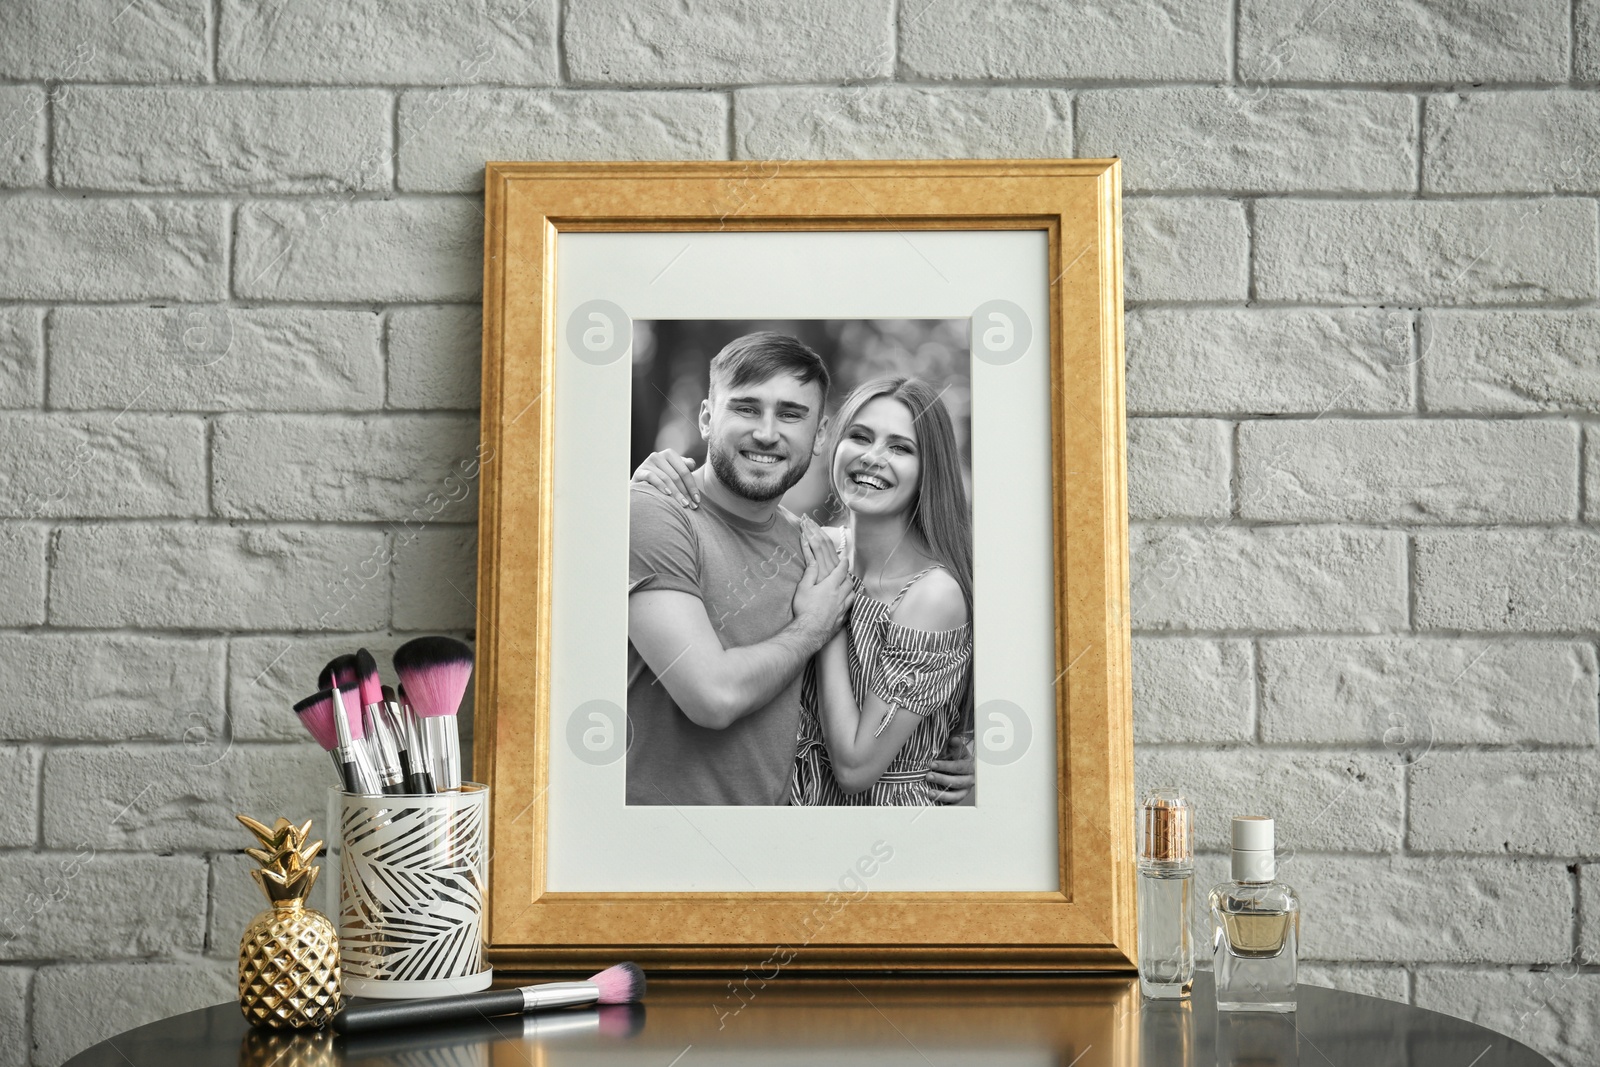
[{"x": 920, "y": 670}]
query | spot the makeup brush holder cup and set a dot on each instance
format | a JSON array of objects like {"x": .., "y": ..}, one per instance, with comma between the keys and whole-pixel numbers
[{"x": 413, "y": 880}]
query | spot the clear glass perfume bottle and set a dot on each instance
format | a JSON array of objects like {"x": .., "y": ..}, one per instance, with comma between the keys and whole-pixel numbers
[
  {"x": 1166, "y": 895},
  {"x": 1255, "y": 926}
]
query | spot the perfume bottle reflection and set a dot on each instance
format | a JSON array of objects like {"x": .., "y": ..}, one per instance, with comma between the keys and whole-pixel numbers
[
  {"x": 1166, "y": 1033},
  {"x": 1257, "y": 1039}
]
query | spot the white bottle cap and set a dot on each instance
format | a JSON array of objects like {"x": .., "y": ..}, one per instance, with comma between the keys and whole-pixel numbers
[{"x": 1253, "y": 842}]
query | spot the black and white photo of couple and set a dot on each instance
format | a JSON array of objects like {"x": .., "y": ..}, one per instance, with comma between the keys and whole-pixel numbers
[{"x": 800, "y": 564}]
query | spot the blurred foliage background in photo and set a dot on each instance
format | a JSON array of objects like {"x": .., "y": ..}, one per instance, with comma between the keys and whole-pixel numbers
[{"x": 672, "y": 357}]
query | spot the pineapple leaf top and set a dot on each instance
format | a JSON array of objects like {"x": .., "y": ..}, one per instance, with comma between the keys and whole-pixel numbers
[{"x": 286, "y": 871}]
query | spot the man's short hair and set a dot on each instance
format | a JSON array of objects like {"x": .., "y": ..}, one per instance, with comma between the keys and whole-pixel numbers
[{"x": 756, "y": 357}]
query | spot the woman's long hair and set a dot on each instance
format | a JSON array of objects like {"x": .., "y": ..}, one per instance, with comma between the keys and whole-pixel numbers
[{"x": 941, "y": 514}]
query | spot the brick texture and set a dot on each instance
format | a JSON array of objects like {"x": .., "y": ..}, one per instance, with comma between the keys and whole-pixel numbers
[
  {"x": 78, "y": 1005},
  {"x": 1466, "y": 41},
  {"x": 949, "y": 39},
  {"x": 241, "y": 256},
  {"x": 1189, "y": 689},
  {"x": 374, "y": 42},
  {"x": 447, "y": 136},
  {"x": 881, "y": 123},
  {"x": 111, "y": 250},
  {"x": 1425, "y": 472},
  {"x": 105, "y": 40},
  {"x": 110, "y": 687},
  {"x": 654, "y": 42},
  {"x": 22, "y": 135},
  {"x": 1283, "y": 141},
  {"x": 270, "y": 141},
  {"x": 213, "y": 358},
  {"x": 21, "y": 357},
  {"x": 1185, "y": 249},
  {"x": 1410, "y": 252},
  {"x": 1298, "y": 362}
]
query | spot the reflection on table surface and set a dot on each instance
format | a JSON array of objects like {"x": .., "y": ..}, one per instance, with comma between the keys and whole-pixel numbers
[{"x": 926, "y": 1022}]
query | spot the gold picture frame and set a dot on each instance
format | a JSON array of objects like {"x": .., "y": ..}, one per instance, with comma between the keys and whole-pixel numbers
[{"x": 1090, "y": 922}]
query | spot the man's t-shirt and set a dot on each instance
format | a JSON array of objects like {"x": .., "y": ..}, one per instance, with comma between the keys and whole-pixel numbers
[{"x": 745, "y": 574}]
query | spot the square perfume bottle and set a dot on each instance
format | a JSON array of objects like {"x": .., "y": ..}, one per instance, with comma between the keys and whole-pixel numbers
[{"x": 1255, "y": 926}]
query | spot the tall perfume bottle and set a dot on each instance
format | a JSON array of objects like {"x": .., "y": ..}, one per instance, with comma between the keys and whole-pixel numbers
[
  {"x": 1255, "y": 926},
  {"x": 1166, "y": 895}
]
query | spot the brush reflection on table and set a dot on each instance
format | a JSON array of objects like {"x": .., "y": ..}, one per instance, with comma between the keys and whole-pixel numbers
[{"x": 1079, "y": 1021}]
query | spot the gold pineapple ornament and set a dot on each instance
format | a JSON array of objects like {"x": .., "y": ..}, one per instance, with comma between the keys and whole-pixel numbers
[{"x": 289, "y": 954}]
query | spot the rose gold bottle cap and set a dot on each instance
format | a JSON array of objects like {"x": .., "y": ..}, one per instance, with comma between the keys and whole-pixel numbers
[{"x": 1166, "y": 827}]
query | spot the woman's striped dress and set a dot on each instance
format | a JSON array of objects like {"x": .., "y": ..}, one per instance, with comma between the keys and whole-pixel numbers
[{"x": 922, "y": 672}]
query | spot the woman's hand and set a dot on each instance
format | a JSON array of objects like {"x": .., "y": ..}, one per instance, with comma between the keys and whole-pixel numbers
[
  {"x": 951, "y": 779},
  {"x": 672, "y": 474},
  {"x": 825, "y": 594}
]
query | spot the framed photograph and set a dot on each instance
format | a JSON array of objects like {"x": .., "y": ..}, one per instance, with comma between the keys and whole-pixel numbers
[{"x": 802, "y": 596}]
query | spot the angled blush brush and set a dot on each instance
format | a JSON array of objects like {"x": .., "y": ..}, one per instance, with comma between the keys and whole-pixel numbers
[
  {"x": 621, "y": 984},
  {"x": 435, "y": 672},
  {"x": 388, "y": 756}
]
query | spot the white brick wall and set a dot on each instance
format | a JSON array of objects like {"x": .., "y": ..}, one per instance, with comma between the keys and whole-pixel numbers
[{"x": 239, "y": 264}]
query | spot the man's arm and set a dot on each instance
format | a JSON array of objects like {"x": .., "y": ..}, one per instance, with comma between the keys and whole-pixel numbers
[{"x": 718, "y": 686}]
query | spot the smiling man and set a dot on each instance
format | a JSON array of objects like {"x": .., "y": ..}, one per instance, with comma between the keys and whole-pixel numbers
[{"x": 724, "y": 612}]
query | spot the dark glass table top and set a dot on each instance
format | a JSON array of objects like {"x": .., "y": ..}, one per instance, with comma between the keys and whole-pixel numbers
[{"x": 1079, "y": 1021}]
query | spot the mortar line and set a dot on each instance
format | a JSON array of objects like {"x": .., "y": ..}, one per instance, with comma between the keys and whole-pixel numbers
[
  {"x": 1250, "y": 295},
  {"x": 1258, "y": 685},
  {"x": 385, "y": 356},
  {"x": 206, "y": 947},
  {"x": 1584, "y": 430},
  {"x": 50, "y": 88},
  {"x": 1418, "y": 405},
  {"x": 1235, "y": 473},
  {"x": 1577, "y": 912},
  {"x": 230, "y": 237},
  {"x": 1411, "y": 582},
  {"x": 895, "y": 11},
  {"x": 1572, "y": 42},
  {"x": 1232, "y": 43},
  {"x": 1420, "y": 113},
  {"x": 214, "y": 41},
  {"x": 730, "y": 133},
  {"x": 394, "y": 141},
  {"x": 42, "y": 335},
  {"x": 563, "y": 63},
  {"x": 473, "y": 195},
  {"x": 210, "y": 465},
  {"x": 38, "y": 798},
  {"x": 690, "y": 87}
]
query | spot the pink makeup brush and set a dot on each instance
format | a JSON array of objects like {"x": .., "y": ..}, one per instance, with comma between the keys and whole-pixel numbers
[
  {"x": 340, "y": 670},
  {"x": 434, "y": 672},
  {"x": 361, "y": 776},
  {"x": 621, "y": 984},
  {"x": 388, "y": 757},
  {"x": 315, "y": 713},
  {"x": 332, "y": 732}
]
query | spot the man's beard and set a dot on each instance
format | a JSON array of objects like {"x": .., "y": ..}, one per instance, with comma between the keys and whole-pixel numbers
[{"x": 722, "y": 464}]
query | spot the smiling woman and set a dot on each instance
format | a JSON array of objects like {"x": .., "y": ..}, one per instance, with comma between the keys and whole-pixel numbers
[{"x": 769, "y": 661}]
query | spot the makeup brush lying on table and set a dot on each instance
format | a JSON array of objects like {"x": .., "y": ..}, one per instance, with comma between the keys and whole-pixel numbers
[
  {"x": 622, "y": 984},
  {"x": 434, "y": 672}
]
